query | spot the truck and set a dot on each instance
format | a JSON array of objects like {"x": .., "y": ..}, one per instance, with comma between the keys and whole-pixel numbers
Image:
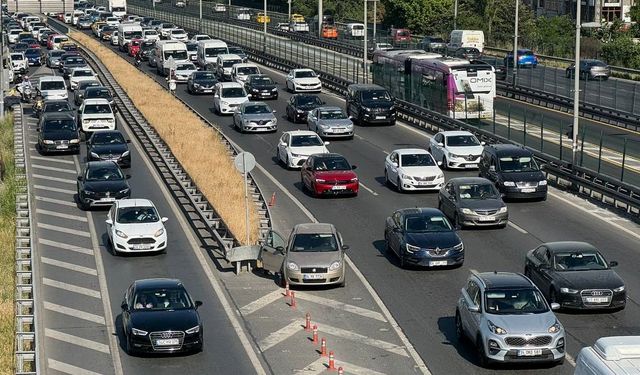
[
  {"x": 466, "y": 38},
  {"x": 118, "y": 8},
  {"x": 126, "y": 32},
  {"x": 166, "y": 51}
]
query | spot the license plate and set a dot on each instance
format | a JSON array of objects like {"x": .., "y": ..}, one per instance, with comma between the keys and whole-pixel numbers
[
  {"x": 528, "y": 190},
  {"x": 166, "y": 342},
  {"x": 107, "y": 199},
  {"x": 471, "y": 166},
  {"x": 529, "y": 352},
  {"x": 339, "y": 187},
  {"x": 486, "y": 218},
  {"x": 62, "y": 147},
  {"x": 381, "y": 117},
  {"x": 141, "y": 247},
  {"x": 264, "y": 93},
  {"x": 437, "y": 263},
  {"x": 313, "y": 276},
  {"x": 597, "y": 299}
]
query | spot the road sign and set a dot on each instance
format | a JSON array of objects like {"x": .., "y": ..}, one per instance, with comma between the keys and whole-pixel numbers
[
  {"x": 171, "y": 63},
  {"x": 245, "y": 162}
]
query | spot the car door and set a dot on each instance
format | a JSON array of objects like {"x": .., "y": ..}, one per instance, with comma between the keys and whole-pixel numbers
[
  {"x": 392, "y": 170},
  {"x": 397, "y": 233},
  {"x": 282, "y": 147},
  {"x": 307, "y": 172},
  {"x": 110, "y": 222},
  {"x": 435, "y": 146},
  {"x": 469, "y": 295},
  {"x": 128, "y": 301},
  {"x": 312, "y": 120},
  {"x": 289, "y": 80},
  {"x": 272, "y": 253},
  {"x": 448, "y": 200},
  {"x": 538, "y": 262},
  {"x": 475, "y": 317}
]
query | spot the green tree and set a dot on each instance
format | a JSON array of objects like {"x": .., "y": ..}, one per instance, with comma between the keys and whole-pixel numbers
[
  {"x": 420, "y": 16},
  {"x": 553, "y": 36},
  {"x": 622, "y": 52}
]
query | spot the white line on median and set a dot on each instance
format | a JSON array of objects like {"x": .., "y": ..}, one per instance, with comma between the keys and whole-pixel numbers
[
  {"x": 341, "y": 306},
  {"x": 350, "y": 368},
  {"x": 56, "y": 179},
  {"x": 65, "y": 246},
  {"x": 54, "y": 169},
  {"x": 517, "y": 227},
  {"x": 57, "y": 190},
  {"x": 56, "y": 228},
  {"x": 69, "y": 266},
  {"x": 71, "y": 339},
  {"x": 71, "y": 287},
  {"x": 57, "y": 160},
  {"x": 280, "y": 335},
  {"x": 349, "y": 335},
  {"x": 365, "y": 187},
  {"x": 68, "y": 369},
  {"x": 75, "y": 313},
  {"x": 56, "y": 201},
  {"x": 261, "y": 302},
  {"x": 61, "y": 215}
]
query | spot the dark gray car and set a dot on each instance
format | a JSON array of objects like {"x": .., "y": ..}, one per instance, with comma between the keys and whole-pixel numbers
[
  {"x": 590, "y": 69},
  {"x": 473, "y": 201},
  {"x": 330, "y": 122},
  {"x": 433, "y": 44}
]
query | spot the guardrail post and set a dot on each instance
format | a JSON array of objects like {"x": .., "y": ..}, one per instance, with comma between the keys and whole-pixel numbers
[
  {"x": 494, "y": 121},
  {"x": 599, "y": 89},
  {"x": 624, "y": 158},
  {"x": 524, "y": 128},
  {"x": 561, "y": 133},
  {"x": 508, "y": 122},
  {"x": 555, "y": 81},
  {"x": 584, "y": 132},
  {"x": 542, "y": 132},
  {"x": 615, "y": 97},
  {"x": 600, "y": 150},
  {"x": 633, "y": 98}
]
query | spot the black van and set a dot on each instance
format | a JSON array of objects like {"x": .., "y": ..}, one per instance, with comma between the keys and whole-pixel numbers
[
  {"x": 514, "y": 171},
  {"x": 370, "y": 104}
]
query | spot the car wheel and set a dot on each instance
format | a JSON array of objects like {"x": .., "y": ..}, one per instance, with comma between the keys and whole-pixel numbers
[
  {"x": 456, "y": 221},
  {"x": 129, "y": 346},
  {"x": 386, "y": 178},
  {"x": 459, "y": 329},
  {"x": 399, "y": 186},
  {"x": 553, "y": 297},
  {"x": 444, "y": 163},
  {"x": 289, "y": 115},
  {"x": 286, "y": 162},
  {"x": 483, "y": 361},
  {"x": 403, "y": 263}
]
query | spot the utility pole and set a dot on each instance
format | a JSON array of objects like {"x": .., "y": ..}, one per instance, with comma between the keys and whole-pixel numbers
[
  {"x": 2, "y": 75},
  {"x": 375, "y": 21},
  {"x": 515, "y": 47},
  {"x": 576, "y": 89},
  {"x": 264, "y": 29},
  {"x": 320, "y": 17},
  {"x": 289, "y": 2},
  {"x": 455, "y": 15},
  {"x": 200, "y": 24},
  {"x": 364, "y": 56}
]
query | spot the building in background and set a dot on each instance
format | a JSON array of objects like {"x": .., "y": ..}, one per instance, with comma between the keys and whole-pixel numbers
[
  {"x": 40, "y": 6},
  {"x": 592, "y": 10}
]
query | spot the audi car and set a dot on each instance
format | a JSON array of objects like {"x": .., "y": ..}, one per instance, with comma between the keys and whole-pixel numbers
[
  {"x": 100, "y": 184},
  {"x": 261, "y": 86},
  {"x": 58, "y": 132},
  {"x": 299, "y": 106}
]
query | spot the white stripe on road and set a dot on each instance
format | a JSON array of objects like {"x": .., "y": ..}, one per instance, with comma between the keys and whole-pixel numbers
[
  {"x": 65, "y": 246},
  {"x": 56, "y": 201},
  {"x": 321, "y": 365},
  {"x": 280, "y": 335},
  {"x": 56, "y": 179},
  {"x": 68, "y": 369},
  {"x": 570, "y": 359},
  {"x": 57, "y": 190},
  {"x": 33, "y": 142},
  {"x": 54, "y": 169},
  {"x": 56, "y": 228},
  {"x": 71, "y": 339},
  {"x": 341, "y": 306},
  {"x": 69, "y": 266},
  {"x": 350, "y": 368},
  {"x": 316, "y": 367},
  {"x": 73, "y": 312},
  {"x": 71, "y": 287},
  {"x": 349, "y": 335},
  {"x": 57, "y": 160},
  {"x": 261, "y": 302},
  {"x": 517, "y": 227},
  {"x": 61, "y": 215},
  {"x": 365, "y": 187}
]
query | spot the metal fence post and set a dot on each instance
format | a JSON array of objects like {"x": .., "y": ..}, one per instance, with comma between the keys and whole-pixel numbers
[
  {"x": 542, "y": 132},
  {"x": 633, "y": 98},
  {"x": 524, "y": 124},
  {"x": 508, "y": 123},
  {"x": 600, "y": 150},
  {"x": 624, "y": 158},
  {"x": 494, "y": 121},
  {"x": 582, "y": 147},
  {"x": 599, "y": 90},
  {"x": 615, "y": 97},
  {"x": 561, "y": 132}
]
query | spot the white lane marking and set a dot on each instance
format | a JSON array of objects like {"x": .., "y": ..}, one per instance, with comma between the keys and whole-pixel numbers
[
  {"x": 280, "y": 335},
  {"x": 350, "y": 368},
  {"x": 60, "y": 229},
  {"x": 57, "y": 160},
  {"x": 570, "y": 359},
  {"x": 57, "y": 190},
  {"x": 71, "y": 287},
  {"x": 341, "y": 306},
  {"x": 54, "y": 169},
  {"x": 517, "y": 227},
  {"x": 56, "y": 201},
  {"x": 69, "y": 266},
  {"x": 61, "y": 215},
  {"x": 361, "y": 339},
  {"x": 368, "y": 189},
  {"x": 56, "y": 179},
  {"x": 314, "y": 368},
  {"x": 71, "y": 339},
  {"x": 65, "y": 246},
  {"x": 474, "y": 272},
  {"x": 73, "y": 312},
  {"x": 68, "y": 369},
  {"x": 33, "y": 142},
  {"x": 261, "y": 302}
]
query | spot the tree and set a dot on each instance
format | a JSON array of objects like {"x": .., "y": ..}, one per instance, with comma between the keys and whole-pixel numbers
[{"x": 420, "y": 16}]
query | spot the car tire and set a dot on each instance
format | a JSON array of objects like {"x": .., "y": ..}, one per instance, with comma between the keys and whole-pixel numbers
[
  {"x": 386, "y": 178},
  {"x": 456, "y": 221},
  {"x": 399, "y": 186},
  {"x": 128, "y": 346},
  {"x": 444, "y": 163},
  {"x": 286, "y": 163},
  {"x": 403, "y": 263},
  {"x": 553, "y": 297},
  {"x": 483, "y": 361},
  {"x": 459, "y": 329}
]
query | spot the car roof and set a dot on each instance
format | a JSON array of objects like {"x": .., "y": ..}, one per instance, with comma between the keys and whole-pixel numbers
[
  {"x": 503, "y": 280},
  {"x": 100, "y": 164},
  {"x": 571, "y": 246},
  {"x": 245, "y": 65},
  {"x": 51, "y": 78},
  {"x": 55, "y": 101},
  {"x": 330, "y": 108},
  {"x": 506, "y": 149},
  {"x": 405, "y": 151},
  {"x": 137, "y": 202},
  {"x": 469, "y": 180},
  {"x": 329, "y": 155},
  {"x": 300, "y": 132},
  {"x": 229, "y": 56},
  {"x": 229, "y": 84},
  {"x": 302, "y": 70},
  {"x": 420, "y": 210},
  {"x": 455, "y": 132},
  {"x": 314, "y": 228},
  {"x": 157, "y": 283},
  {"x": 57, "y": 116},
  {"x": 362, "y": 86},
  {"x": 96, "y": 101}
]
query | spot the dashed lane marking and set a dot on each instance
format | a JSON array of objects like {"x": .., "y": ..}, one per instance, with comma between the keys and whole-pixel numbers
[
  {"x": 57, "y": 160},
  {"x": 61, "y": 215},
  {"x": 280, "y": 335},
  {"x": 54, "y": 169},
  {"x": 56, "y": 201},
  {"x": 56, "y": 179},
  {"x": 261, "y": 302},
  {"x": 350, "y": 368},
  {"x": 56, "y": 190},
  {"x": 349, "y": 335},
  {"x": 68, "y": 369},
  {"x": 57, "y": 228},
  {"x": 73, "y": 312},
  {"x": 65, "y": 246},
  {"x": 365, "y": 187},
  {"x": 69, "y": 266},
  {"x": 341, "y": 306},
  {"x": 71, "y": 339},
  {"x": 517, "y": 227},
  {"x": 71, "y": 287},
  {"x": 570, "y": 359}
]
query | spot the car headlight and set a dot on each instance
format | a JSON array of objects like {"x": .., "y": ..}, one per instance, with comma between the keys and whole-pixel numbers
[
  {"x": 320, "y": 180},
  {"x": 335, "y": 265},
  {"x": 619, "y": 289},
  {"x": 456, "y": 155},
  {"x": 324, "y": 127},
  {"x": 542, "y": 183},
  {"x": 367, "y": 109},
  {"x": 193, "y": 330},
  {"x": 89, "y": 192},
  {"x": 296, "y": 155},
  {"x": 196, "y": 85},
  {"x": 509, "y": 183},
  {"x": 111, "y": 121},
  {"x": 355, "y": 179},
  {"x": 274, "y": 89},
  {"x": 74, "y": 141},
  {"x": 406, "y": 177},
  {"x": 121, "y": 234},
  {"x": 495, "y": 329},
  {"x": 274, "y": 121},
  {"x": 255, "y": 90},
  {"x": 555, "y": 328},
  {"x": 47, "y": 142},
  {"x": 459, "y": 247},
  {"x": 411, "y": 249},
  {"x": 502, "y": 210},
  {"x": 440, "y": 176},
  {"x": 126, "y": 153},
  {"x": 224, "y": 103},
  {"x": 138, "y": 332},
  {"x": 85, "y": 121},
  {"x": 466, "y": 211},
  {"x": 95, "y": 155},
  {"x": 299, "y": 111},
  {"x": 159, "y": 232},
  {"x": 292, "y": 266},
  {"x": 568, "y": 290}
]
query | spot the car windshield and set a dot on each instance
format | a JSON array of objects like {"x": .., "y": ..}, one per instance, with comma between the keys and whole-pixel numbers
[
  {"x": 82, "y": 73},
  {"x": 314, "y": 242},
  {"x": 32, "y": 51},
  {"x": 248, "y": 70},
  {"x": 86, "y": 84},
  {"x": 261, "y": 81},
  {"x": 233, "y": 92},
  {"x": 236, "y": 50},
  {"x": 137, "y": 215},
  {"x": 404, "y": 33},
  {"x": 56, "y": 53},
  {"x": 92, "y": 109},
  {"x": 107, "y": 138},
  {"x": 305, "y": 140},
  {"x": 204, "y": 76},
  {"x": 427, "y": 224},
  {"x": 596, "y": 63},
  {"x": 59, "y": 124},
  {"x": 104, "y": 173},
  {"x": 17, "y": 57},
  {"x": 186, "y": 67},
  {"x": 176, "y": 54},
  {"x": 579, "y": 261},
  {"x": 309, "y": 100},
  {"x": 52, "y": 85},
  {"x": 230, "y": 63},
  {"x": 437, "y": 40},
  {"x": 167, "y": 26},
  {"x": 162, "y": 299},
  {"x": 305, "y": 74},
  {"x": 177, "y": 31},
  {"x": 527, "y": 53},
  {"x": 99, "y": 93},
  {"x": 375, "y": 96},
  {"x": 462, "y": 141},
  {"x": 514, "y": 302},
  {"x": 256, "y": 109},
  {"x": 478, "y": 191},
  {"x": 150, "y": 32},
  {"x": 331, "y": 164},
  {"x": 192, "y": 47},
  {"x": 417, "y": 160},
  {"x": 214, "y": 51},
  {"x": 57, "y": 107},
  {"x": 332, "y": 115},
  {"x": 73, "y": 60},
  {"x": 518, "y": 164}
]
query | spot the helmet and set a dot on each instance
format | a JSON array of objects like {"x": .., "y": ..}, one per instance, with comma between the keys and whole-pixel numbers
[{"x": 26, "y": 78}]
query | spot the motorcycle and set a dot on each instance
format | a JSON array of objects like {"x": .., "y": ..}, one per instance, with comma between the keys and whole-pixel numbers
[
  {"x": 26, "y": 92},
  {"x": 37, "y": 106}
]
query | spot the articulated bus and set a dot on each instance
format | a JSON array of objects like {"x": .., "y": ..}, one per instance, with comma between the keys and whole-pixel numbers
[{"x": 454, "y": 87}]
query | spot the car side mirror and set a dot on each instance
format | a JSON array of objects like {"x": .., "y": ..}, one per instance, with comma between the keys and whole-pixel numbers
[
  {"x": 164, "y": 219},
  {"x": 474, "y": 308},
  {"x": 440, "y": 144},
  {"x": 124, "y": 306},
  {"x": 198, "y": 304},
  {"x": 280, "y": 249},
  {"x": 128, "y": 176},
  {"x": 613, "y": 263},
  {"x": 80, "y": 178},
  {"x": 483, "y": 143},
  {"x": 439, "y": 162},
  {"x": 345, "y": 247},
  {"x": 326, "y": 143},
  {"x": 354, "y": 167},
  {"x": 109, "y": 221},
  {"x": 394, "y": 164},
  {"x": 555, "y": 306},
  {"x": 492, "y": 168}
]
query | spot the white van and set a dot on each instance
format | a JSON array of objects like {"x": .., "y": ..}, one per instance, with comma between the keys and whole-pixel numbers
[
  {"x": 208, "y": 51},
  {"x": 224, "y": 63},
  {"x": 354, "y": 30},
  {"x": 616, "y": 355},
  {"x": 166, "y": 49},
  {"x": 52, "y": 87},
  {"x": 126, "y": 32},
  {"x": 466, "y": 38}
]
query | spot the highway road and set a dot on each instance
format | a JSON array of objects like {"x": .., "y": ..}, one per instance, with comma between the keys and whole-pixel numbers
[{"x": 423, "y": 301}]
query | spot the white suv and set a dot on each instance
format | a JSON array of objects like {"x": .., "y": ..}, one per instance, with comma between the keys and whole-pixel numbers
[
  {"x": 456, "y": 149},
  {"x": 96, "y": 114},
  {"x": 227, "y": 96}
]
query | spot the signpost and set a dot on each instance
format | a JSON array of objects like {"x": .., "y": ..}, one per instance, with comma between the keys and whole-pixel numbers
[{"x": 245, "y": 162}]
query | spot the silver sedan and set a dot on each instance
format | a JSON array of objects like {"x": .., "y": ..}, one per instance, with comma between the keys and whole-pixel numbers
[
  {"x": 255, "y": 117},
  {"x": 330, "y": 122}
]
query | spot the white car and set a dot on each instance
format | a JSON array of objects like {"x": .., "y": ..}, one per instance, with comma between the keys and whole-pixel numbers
[
  {"x": 303, "y": 80},
  {"x": 240, "y": 72},
  {"x": 134, "y": 225},
  {"x": 164, "y": 29},
  {"x": 112, "y": 21},
  {"x": 198, "y": 37},
  {"x": 183, "y": 71},
  {"x": 412, "y": 169},
  {"x": 150, "y": 35},
  {"x": 179, "y": 35},
  {"x": 294, "y": 147},
  {"x": 19, "y": 62},
  {"x": 244, "y": 14},
  {"x": 227, "y": 96},
  {"x": 219, "y": 8},
  {"x": 456, "y": 149},
  {"x": 81, "y": 74},
  {"x": 13, "y": 35},
  {"x": 180, "y": 4},
  {"x": 114, "y": 38}
]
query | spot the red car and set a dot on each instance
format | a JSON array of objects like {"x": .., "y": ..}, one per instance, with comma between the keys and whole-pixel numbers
[
  {"x": 329, "y": 174},
  {"x": 134, "y": 46}
]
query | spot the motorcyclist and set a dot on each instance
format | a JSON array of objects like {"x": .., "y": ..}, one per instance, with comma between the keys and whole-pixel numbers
[
  {"x": 139, "y": 57},
  {"x": 25, "y": 88},
  {"x": 171, "y": 82}
]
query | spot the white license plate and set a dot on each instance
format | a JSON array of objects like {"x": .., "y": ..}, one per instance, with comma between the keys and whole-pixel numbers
[
  {"x": 107, "y": 199},
  {"x": 381, "y": 117},
  {"x": 264, "y": 94},
  {"x": 597, "y": 299},
  {"x": 339, "y": 187},
  {"x": 437, "y": 263},
  {"x": 486, "y": 218},
  {"x": 313, "y": 276},
  {"x": 529, "y": 352},
  {"x": 62, "y": 147},
  {"x": 471, "y": 166},
  {"x": 528, "y": 190},
  {"x": 141, "y": 247},
  {"x": 166, "y": 342}
]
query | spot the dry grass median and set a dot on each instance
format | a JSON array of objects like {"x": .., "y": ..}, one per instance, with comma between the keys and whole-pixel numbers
[{"x": 198, "y": 147}]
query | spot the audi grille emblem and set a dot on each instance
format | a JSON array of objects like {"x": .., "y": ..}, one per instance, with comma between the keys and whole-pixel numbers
[
  {"x": 313, "y": 270},
  {"x": 596, "y": 293},
  {"x": 108, "y": 194},
  {"x": 166, "y": 335}
]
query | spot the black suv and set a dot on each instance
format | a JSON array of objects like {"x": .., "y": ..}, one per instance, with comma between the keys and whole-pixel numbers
[
  {"x": 370, "y": 104},
  {"x": 514, "y": 171},
  {"x": 260, "y": 87},
  {"x": 58, "y": 132}
]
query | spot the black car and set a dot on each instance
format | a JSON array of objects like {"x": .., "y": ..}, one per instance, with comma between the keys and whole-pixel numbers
[
  {"x": 299, "y": 105},
  {"x": 70, "y": 63},
  {"x": 101, "y": 183},
  {"x": 20, "y": 47},
  {"x": 201, "y": 82},
  {"x": 58, "y": 132},
  {"x": 370, "y": 104},
  {"x": 159, "y": 316},
  {"x": 34, "y": 56},
  {"x": 261, "y": 86},
  {"x": 109, "y": 145},
  {"x": 147, "y": 48},
  {"x": 514, "y": 171},
  {"x": 575, "y": 275},
  {"x": 423, "y": 237},
  {"x": 78, "y": 95},
  {"x": 56, "y": 106},
  {"x": 238, "y": 51},
  {"x": 469, "y": 53},
  {"x": 98, "y": 92}
]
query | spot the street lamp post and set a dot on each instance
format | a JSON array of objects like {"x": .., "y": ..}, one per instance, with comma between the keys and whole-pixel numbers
[
  {"x": 576, "y": 89},
  {"x": 375, "y": 16},
  {"x": 364, "y": 55},
  {"x": 289, "y": 2},
  {"x": 455, "y": 15},
  {"x": 264, "y": 29},
  {"x": 320, "y": 17},
  {"x": 200, "y": 23},
  {"x": 515, "y": 47}
]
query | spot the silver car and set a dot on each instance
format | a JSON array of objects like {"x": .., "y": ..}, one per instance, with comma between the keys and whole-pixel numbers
[
  {"x": 330, "y": 122},
  {"x": 255, "y": 117},
  {"x": 473, "y": 201},
  {"x": 183, "y": 71},
  {"x": 590, "y": 69},
  {"x": 506, "y": 317},
  {"x": 314, "y": 255}
]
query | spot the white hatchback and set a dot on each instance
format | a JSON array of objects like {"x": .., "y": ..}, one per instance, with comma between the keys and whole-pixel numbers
[
  {"x": 134, "y": 225},
  {"x": 303, "y": 80},
  {"x": 81, "y": 74},
  {"x": 227, "y": 96},
  {"x": 296, "y": 146}
]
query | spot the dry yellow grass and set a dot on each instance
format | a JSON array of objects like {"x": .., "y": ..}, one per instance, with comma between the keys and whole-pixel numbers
[{"x": 198, "y": 147}]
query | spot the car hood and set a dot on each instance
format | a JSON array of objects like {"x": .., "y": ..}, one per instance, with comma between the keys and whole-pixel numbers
[
  {"x": 377, "y": 104},
  {"x": 83, "y": 78},
  {"x": 336, "y": 123},
  {"x": 307, "y": 80},
  {"x": 259, "y": 117},
  {"x": 309, "y": 150},
  {"x": 140, "y": 229},
  {"x": 523, "y": 176},
  {"x": 307, "y": 107},
  {"x": 239, "y": 100},
  {"x": 263, "y": 87},
  {"x": 206, "y": 82},
  {"x": 421, "y": 171},
  {"x": 314, "y": 259},
  {"x": 97, "y": 116},
  {"x": 185, "y": 72},
  {"x": 481, "y": 204},
  {"x": 524, "y": 323},
  {"x": 60, "y": 135},
  {"x": 104, "y": 186},
  {"x": 116, "y": 149},
  {"x": 431, "y": 240},
  {"x": 335, "y": 175},
  {"x": 594, "y": 279},
  {"x": 465, "y": 150},
  {"x": 175, "y": 320}
]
